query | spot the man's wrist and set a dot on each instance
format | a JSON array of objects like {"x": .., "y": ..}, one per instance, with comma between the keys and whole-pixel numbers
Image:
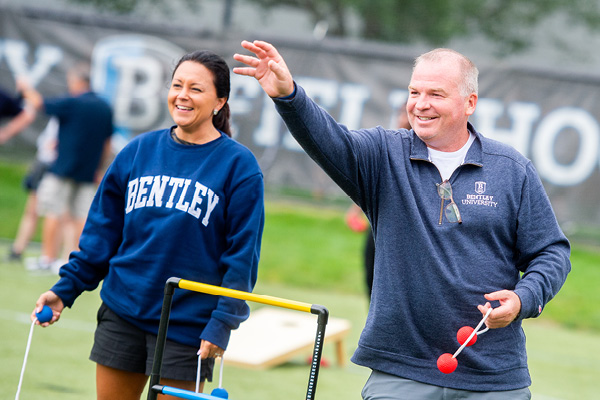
[{"x": 289, "y": 96}]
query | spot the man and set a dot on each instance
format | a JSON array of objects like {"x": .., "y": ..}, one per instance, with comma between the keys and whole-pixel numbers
[
  {"x": 67, "y": 189},
  {"x": 456, "y": 218}
]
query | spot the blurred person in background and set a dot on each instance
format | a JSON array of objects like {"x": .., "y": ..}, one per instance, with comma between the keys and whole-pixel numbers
[
  {"x": 67, "y": 189},
  {"x": 45, "y": 155}
]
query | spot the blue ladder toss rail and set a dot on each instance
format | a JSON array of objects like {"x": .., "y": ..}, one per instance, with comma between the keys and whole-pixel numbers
[{"x": 182, "y": 394}]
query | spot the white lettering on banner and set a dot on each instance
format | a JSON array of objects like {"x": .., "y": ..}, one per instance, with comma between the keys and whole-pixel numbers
[
  {"x": 327, "y": 94},
  {"x": 268, "y": 131},
  {"x": 137, "y": 99},
  {"x": 543, "y": 154},
  {"x": 522, "y": 116},
  {"x": 353, "y": 98},
  {"x": 17, "y": 53},
  {"x": 138, "y": 197},
  {"x": 243, "y": 91},
  {"x": 543, "y": 151},
  {"x": 132, "y": 71}
]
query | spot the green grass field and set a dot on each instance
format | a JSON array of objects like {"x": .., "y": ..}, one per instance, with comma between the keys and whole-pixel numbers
[{"x": 308, "y": 255}]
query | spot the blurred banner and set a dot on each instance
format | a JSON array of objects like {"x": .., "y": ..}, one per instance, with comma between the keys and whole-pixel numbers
[{"x": 551, "y": 118}]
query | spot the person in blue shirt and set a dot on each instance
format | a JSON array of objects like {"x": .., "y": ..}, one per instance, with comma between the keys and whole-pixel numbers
[
  {"x": 66, "y": 190},
  {"x": 462, "y": 225},
  {"x": 185, "y": 201}
]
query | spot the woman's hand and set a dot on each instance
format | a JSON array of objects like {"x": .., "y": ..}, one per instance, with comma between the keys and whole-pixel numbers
[
  {"x": 51, "y": 300},
  {"x": 209, "y": 350}
]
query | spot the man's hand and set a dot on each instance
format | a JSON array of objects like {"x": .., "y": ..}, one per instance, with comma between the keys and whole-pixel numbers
[
  {"x": 510, "y": 306},
  {"x": 268, "y": 67}
]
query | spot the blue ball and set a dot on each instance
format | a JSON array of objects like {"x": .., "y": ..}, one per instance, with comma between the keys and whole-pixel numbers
[
  {"x": 220, "y": 392},
  {"x": 45, "y": 315}
]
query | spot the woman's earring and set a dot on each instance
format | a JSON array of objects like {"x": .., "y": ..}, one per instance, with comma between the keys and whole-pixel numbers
[{"x": 215, "y": 112}]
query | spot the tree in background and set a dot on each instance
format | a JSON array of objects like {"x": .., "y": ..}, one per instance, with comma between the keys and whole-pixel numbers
[
  {"x": 508, "y": 23},
  {"x": 129, "y": 6}
]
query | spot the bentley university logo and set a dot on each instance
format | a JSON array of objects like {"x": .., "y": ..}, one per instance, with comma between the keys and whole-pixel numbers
[
  {"x": 480, "y": 199},
  {"x": 479, "y": 187}
]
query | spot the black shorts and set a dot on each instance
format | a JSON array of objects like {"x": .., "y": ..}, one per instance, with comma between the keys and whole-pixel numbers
[
  {"x": 34, "y": 175},
  {"x": 120, "y": 345}
]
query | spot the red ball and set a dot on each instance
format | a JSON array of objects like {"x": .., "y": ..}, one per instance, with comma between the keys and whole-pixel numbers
[
  {"x": 446, "y": 363},
  {"x": 357, "y": 223},
  {"x": 463, "y": 334}
]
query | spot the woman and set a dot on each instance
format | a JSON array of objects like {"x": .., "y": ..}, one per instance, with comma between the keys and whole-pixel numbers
[{"x": 185, "y": 201}]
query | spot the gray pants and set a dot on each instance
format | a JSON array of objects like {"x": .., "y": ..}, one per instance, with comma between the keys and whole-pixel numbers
[{"x": 382, "y": 386}]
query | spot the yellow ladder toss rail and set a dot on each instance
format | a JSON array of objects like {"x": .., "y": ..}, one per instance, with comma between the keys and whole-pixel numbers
[{"x": 174, "y": 282}]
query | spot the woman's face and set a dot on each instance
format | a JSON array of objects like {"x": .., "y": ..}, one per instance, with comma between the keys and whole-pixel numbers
[{"x": 193, "y": 97}]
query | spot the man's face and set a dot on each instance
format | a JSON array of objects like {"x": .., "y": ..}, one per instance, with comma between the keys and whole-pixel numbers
[{"x": 437, "y": 110}]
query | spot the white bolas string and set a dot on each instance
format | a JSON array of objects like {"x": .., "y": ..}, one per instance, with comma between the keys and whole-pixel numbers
[
  {"x": 475, "y": 332},
  {"x": 221, "y": 374},
  {"x": 25, "y": 359},
  {"x": 198, "y": 372}
]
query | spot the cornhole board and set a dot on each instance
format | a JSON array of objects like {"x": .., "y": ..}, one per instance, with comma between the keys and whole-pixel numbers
[{"x": 272, "y": 336}]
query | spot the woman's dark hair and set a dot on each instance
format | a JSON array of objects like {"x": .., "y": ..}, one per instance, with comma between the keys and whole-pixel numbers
[{"x": 220, "y": 70}]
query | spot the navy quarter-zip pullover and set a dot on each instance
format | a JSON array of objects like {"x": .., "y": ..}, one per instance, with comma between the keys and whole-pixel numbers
[{"x": 431, "y": 274}]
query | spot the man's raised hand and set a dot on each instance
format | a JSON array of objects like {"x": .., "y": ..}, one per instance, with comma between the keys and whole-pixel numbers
[{"x": 267, "y": 67}]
